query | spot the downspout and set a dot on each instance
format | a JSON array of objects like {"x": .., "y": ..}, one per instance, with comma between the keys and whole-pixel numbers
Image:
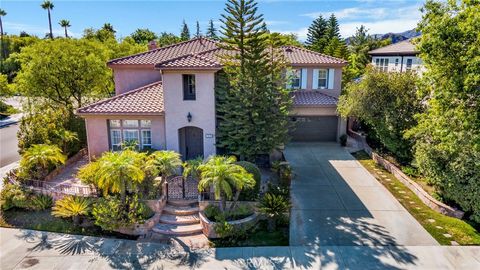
[{"x": 401, "y": 65}]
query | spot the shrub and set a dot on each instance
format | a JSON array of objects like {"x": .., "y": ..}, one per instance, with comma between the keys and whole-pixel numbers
[
  {"x": 278, "y": 190},
  {"x": 251, "y": 194},
  {"x": 343, "y": 140},
  {"x": 14, "y": 196},
  {"x": 72, "y": 207},
  {"x": 211, "y": 211},
  {"x": 38, "y": 160},
  {"x": 274, "y": 208},
  {"x": 284, "y": 172},
  {"x": 42, "y": 202},
  {"x": 110, "y": 213}
]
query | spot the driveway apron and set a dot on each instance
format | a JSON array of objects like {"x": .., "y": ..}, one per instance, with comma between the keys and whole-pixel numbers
[{"x": 337, "y": 202}]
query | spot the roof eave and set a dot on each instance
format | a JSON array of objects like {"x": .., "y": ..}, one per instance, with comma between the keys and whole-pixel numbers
[{"x": 86, "y": 114}]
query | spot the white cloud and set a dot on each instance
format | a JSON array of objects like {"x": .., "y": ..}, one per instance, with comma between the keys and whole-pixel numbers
[
  {"x": 378, "y": 27},
  {"x": 352, "y": 13},
  {"x": 16, "y": 28}
]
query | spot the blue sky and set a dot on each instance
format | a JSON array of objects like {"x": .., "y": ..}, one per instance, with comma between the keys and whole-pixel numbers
[{"x": 281, "y": 16}]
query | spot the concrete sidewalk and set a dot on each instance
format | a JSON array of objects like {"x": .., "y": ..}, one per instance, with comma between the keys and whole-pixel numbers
[
  {"x": 21, "y": 249},
  {"x": 12, "y": 119}
]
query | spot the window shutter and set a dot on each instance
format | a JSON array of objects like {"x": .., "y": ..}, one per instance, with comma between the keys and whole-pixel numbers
[
  {"x": 304, "y": 78},
  {"x": 331, "y": 77},
  {"x": 315, "y": 79}
]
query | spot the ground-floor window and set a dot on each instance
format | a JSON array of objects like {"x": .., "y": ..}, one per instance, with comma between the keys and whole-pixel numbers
[{"x": 130, "y": 132}]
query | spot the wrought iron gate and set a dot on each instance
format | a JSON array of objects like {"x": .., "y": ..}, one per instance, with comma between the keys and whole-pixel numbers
[{"x": 179, "y": 188}]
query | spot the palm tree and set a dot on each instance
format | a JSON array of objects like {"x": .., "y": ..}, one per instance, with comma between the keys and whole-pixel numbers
[
  {"x": 65, "y": 24},
  {"x": 39, "y": 158},
  {"x": 163, "y": 163},
  {"x": 67, "y": 137},
  {"x": 120, "y": 171},
  {"x": 224, "y": 175},
  {"x": 190, "y": 168},
  {"x": 72, "y": 207},
  {"x": 2, "y": 13},
  {"x": 48, "y": 6}
]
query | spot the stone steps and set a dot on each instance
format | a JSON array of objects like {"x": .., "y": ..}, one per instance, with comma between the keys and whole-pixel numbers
[
  {"x": 182, "y": 203},
  {"x": 177, "y": 230},
  {"x": 180, "y": 210},
  {"x": 179, "y": 220}
]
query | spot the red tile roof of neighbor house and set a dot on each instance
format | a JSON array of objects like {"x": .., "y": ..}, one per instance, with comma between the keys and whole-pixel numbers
[
  {"x": 312, "y": 98},
  {"x": 146, "y": 100},
  {"x": 204, "y": 53}
]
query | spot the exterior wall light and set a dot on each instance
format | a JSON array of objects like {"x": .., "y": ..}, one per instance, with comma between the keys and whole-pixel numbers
[{"x": 189, "y": 117}]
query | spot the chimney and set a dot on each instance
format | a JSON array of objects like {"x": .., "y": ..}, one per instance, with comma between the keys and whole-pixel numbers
[{"x": 152, "y": 45}]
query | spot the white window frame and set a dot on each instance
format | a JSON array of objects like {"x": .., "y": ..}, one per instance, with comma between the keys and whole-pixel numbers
[
  {"x": 296, "y": 74},
  {"x": 141, "y": 126},
  {"x": 408, "y": 66},
  {"x": 381, "y": 64},
  {"x": 323, "y": 71}
]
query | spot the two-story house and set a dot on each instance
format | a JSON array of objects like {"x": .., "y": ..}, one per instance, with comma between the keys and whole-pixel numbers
[
  {"x": 400, "y": 57},
  {"x": 165, "y": 99}
]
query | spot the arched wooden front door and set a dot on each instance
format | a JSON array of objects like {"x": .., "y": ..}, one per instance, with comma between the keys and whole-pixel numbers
[{"x": 191, "y": 142}]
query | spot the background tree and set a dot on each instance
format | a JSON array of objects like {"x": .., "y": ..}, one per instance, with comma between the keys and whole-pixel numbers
[
  {"x": 211, "y": 31},
  {"x": 65, "y": 24},
  {"x": 3, "y": 13},
  {"x": 252, "y": 81},
  {"x": 198, "y": 33},
  {"x": 387, "y": 103},
  {"x": 143, "y": 36},
  {"x": 185, "y": 33},
  {"x": 447, "y": 148},
  {"x": 316, "y": 35},
  {"x": 48, "y": 5},
  {"x": 166, "y": 39}
]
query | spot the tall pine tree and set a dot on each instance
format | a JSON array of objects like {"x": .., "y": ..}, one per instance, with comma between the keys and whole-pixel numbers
[
  {"x": 185, "y": 34},
  {"x": 252, "y": 102},
  {"x": 211, "y": 31},
  {"x": 316, "y": 37},
  {"x": 333, "y": 29}
]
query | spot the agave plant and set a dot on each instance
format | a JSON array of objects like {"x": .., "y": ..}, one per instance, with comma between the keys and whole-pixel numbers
[
  {"x": 273, "y": 207},
  {"x": 72, "y": 207}
]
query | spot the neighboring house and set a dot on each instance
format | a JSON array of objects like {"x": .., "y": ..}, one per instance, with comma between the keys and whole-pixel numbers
[
  {"x": 165, "y": 99},
  {"x": 401, "y": 56}
]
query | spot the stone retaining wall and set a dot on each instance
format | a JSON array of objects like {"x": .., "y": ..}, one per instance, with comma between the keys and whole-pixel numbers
[
  {"x": 402, "y": 177},
  {"x": 209, "y": 226}
]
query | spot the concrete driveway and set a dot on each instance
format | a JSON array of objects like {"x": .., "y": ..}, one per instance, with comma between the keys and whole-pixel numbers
[{"x": 337, "y": 202}]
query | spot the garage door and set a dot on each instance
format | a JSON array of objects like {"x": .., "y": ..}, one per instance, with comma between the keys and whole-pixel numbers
[{"x": 314, "y": 128}]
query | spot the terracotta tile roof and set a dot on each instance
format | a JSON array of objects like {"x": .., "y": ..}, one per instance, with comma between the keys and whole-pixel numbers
[
  {"x": 204, "y": 53},
  {"x": 146, "y": 100},
  {"x": 165, "y": 53},
  {"x": 204, "y": 60},
  {"x": 312, "y": 98},
  {"x": 400, "y": 48},
  {"x": 301, "y": 56}
]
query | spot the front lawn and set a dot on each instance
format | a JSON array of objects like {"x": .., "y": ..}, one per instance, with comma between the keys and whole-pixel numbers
[
  {"x": 45, "y": 221},
  {"x": 443, "y": 228}
]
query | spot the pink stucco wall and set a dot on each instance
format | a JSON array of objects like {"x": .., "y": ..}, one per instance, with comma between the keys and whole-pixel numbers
[
  {"x": 128, "y": 78},
  {"x": 202, "y": 109},
  {"x": 337, "y": 81},
  {"x": 97, "y": 132}
]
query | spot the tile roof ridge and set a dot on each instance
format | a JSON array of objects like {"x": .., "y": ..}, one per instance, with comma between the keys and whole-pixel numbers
[
  {"x": 314, "y": 52},
  {"x": 129, "y": 92},
  {"x": 193, "y": 54},
  {"x": 394, "y": 44},
  {"x": 112, "y": 61},
  {"x": 314, "y": 91}
]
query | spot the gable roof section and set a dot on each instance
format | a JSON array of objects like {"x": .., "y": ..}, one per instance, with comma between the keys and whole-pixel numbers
[
  {"x": 312, "y": 98},
  {"x": 166, "y": 53},
  {"x": 203, "y": 53},
  {"x": 146, "y": 100},
  {"x": 400, "y": 48},
  {"x": 302, "y": 56}
]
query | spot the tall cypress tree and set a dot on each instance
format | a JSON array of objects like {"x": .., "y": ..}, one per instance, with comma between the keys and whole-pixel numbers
[
  {"x": 211, "y": 31},
  {"x": 252, "y": 102},
  {"x": 316, "y": 36},
  {"x": 198, "y": 33},
  {"x": 185, "y": 34}
]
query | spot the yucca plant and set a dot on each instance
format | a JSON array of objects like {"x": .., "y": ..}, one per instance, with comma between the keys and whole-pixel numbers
[
  {"x": 72, "y": 207},
  {"x": 42, "y": 202},
  {"x": 273, "y": 207}
]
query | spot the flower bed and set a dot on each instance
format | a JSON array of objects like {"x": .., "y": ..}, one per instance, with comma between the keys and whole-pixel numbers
[{"x": 209, "y": 226}]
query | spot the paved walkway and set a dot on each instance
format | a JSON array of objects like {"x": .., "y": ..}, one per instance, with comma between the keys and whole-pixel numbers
[
  {"x": 337, "y": 202},
  {"x": 25, "y": 249}
]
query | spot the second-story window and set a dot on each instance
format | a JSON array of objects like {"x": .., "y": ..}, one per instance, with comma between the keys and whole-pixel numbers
[
  {"x": 409, "y": 64},
  {"x": 323, "y": 78},
  {"x": 382, "y": 64},
  {"x": 296, "y": 78},
  {"x": 189, "y": 87}
]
